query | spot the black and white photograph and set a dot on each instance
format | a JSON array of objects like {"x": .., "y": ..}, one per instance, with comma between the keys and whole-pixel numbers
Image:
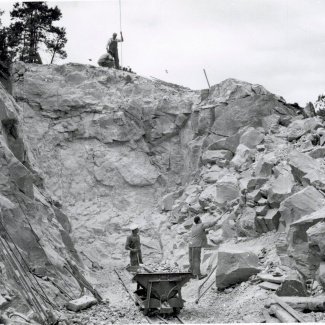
[{"x": 162, "y": 162}]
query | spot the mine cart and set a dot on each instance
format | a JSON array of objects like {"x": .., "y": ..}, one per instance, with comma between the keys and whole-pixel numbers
[{"x": 160, "y": 293}]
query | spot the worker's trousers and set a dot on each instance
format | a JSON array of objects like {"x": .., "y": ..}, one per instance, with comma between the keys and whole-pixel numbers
[
  {"x": 195, "y": 260},
  {"x": 116, "y": 59},
  {"x": 135, "y": 258}
]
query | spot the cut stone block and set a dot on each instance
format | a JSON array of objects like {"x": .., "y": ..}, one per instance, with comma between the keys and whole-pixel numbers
[
  {"x": 235, "y": 266},
  {"x": 255, "y": 183},
  {"x": 260, "y": 224},
  {"x": 272, "y": 219},
  {"x": 292, "y": 285},
  {"x": 261, "y": 210},
  {"x": 262, "y": 201},
  {"x": 81, "y": 303},
  {"x": 254, "y": 195}
]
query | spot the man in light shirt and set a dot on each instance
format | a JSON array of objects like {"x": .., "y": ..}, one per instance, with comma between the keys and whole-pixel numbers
[
  {"x": 198, "y": 240},
  {"x": 112, "y": 48}
]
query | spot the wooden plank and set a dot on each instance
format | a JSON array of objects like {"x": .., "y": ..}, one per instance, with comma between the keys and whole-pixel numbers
[
  {"x": 288, "y": 309},
  {"x": 282, "y": 314},
  {"x": 270, "y": 278},
  {"x": 306, "y": 303},
  {"x": 269, "y": 286},
  {"x": 268, "y": 318}
]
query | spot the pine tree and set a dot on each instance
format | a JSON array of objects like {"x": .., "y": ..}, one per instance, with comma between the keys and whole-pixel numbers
[
  {"x": 56, "y": 43},
  {"x": 32, "y": 27},
  {"x": 4, "y": 54}
]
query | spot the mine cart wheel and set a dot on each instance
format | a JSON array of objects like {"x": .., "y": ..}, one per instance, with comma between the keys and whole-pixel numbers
[
  {"x": 145, "y": 311},
  {"x": 176, "y": 310}
]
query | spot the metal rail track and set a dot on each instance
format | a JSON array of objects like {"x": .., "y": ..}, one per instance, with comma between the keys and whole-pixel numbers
[
  {"x": 155, "y": 319},
  {"x": 160, "y": 320}
]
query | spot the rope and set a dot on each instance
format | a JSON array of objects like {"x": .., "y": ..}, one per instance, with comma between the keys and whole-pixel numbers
[{"x": 120, "y": 31}]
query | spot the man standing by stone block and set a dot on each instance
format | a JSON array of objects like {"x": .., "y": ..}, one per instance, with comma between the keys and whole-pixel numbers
[{"x": 198, "y": 240}]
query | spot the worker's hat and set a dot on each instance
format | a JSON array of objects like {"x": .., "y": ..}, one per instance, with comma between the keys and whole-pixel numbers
[{"x": 134, "y": 226}]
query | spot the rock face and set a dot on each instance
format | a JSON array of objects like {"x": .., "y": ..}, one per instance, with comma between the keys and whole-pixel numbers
[
  {"x": 106, "y": 148},
  {"x": 37, "y": 230},
  {"x": 112, "y": 145},
  {"x": 235, "y": 266}
]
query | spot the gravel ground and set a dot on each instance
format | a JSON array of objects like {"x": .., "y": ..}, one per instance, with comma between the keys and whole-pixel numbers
[{"x": 241, "y": 303}]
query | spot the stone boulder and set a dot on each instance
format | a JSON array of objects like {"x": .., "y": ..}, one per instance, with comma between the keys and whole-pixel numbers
[
  {"x": 243, "y": 158},
  {"x": 228, "y": 226},
  {"x": 235, "y": 266},
  {"x": 212, "y": 174},
  {"x": 293, "y": 285},
  {"x": 309, "y": 110},
  {"x": 320, "y": 274},
  {"x": 211, "y": 139},
  {"x": 226, "y": 143},
  {"x": 254, "y": 196},
  {"x": 249, "y": 184},
  {"x": 267, "y": 222},
  {"x": 300, "y": 204},
  {"x": 246, "y": 225},
  {"x": 219, "y": 157},
  {"x": 280, "y": 189},
  {"x": 270, "y": 123},
  {"x": 265, "y": 164},
  {"x": 248, "y": 111},
  {"x": 208, "y": 196},
  {"x": 317, "y": 153},
  {"x": 191, "y": 194},
  {"x": 301, "y": 165},
  {"x": 315, "y": 178},
  {"x": 300, "y": 127},
  {"x": 316, "y": 240},
  {"x": 232, "y": 89},
  {"x": 251, "y": 138},
  {"x": 306, "y": 257},
  {"x": 227, "y": 189},
  {"x": 282, "y": 250},
  {"x": 167, "y": 202},
  {"x": 271, "y": 219}
]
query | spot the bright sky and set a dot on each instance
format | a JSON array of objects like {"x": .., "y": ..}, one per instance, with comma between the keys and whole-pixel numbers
[{"x": 279, "y": 44}]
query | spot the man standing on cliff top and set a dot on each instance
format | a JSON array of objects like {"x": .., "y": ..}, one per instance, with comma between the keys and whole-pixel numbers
[
  {"x": 198, "y": 240},
  {"x": 134, "y": 246},
  {"x": 112, "y": 48}
]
